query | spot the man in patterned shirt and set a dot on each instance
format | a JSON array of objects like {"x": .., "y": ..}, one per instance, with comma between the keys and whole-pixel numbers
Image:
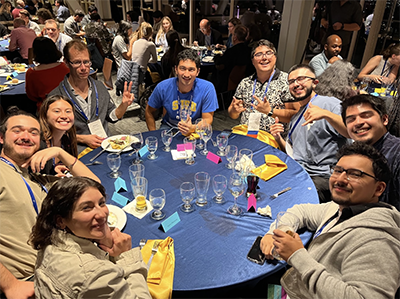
[{"x": 264, "y": 95}]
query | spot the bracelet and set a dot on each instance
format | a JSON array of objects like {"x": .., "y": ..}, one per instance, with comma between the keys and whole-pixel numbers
[{"x": 72, "y": 165}]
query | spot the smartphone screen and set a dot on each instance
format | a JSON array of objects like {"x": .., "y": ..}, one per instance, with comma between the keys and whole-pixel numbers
[
  {"x": 226, "y": 133},
  {"x": 255, "y": 254}
]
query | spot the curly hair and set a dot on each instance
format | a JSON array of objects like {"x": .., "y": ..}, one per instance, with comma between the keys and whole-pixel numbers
[
  {"x": 262, "y": 42},
  {"x": 59, "y": 202}
]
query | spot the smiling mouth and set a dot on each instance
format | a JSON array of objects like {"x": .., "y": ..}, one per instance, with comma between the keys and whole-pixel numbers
[{"x": 361, "y": 131}]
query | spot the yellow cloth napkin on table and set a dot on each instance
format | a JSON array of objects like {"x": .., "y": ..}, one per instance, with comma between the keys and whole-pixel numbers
[
  {"x": 84, "y": 152},
  {"x": 273, "y": 166},
  {"x": 262, "y": 135},
  {"x": 160, "y": 276},
  {"x": 194, "y": 136}
]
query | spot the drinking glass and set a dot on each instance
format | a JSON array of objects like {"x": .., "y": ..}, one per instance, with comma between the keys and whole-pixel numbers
[
  {"x": 157, "y": 200},
  {"x": 222, "y": 142},
  {"x": 136, "y": 170},
  {"x": 190, "y": 148},
  {"x": 288, "y": 223},
  {"x": 245, "y": 165},
  {"x": 187, "y": 194},
  {"x": 364, "y": 83},
  {"x": 236, "y": 187},
  {"x": 184, "y": 113},
  {"x": 202, "y": 181},
  {"x": 219, "y": 186},
  {"x": 166, "y": 137},
  {"x": 139, "y": 189},
  {"x": 246, "y": 152},
  {"x": 114, "y": 162},
  {"x": 231, "y": 153},
  {"x": 137, "y": 145},
  {"x": 152, "y": 144},
  {"x": 199, "y": 130},
  {"x": 207, "y": 134}
]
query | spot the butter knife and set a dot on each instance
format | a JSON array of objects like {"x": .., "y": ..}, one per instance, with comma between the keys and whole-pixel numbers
[
  {"x": 102, "y": 151},
  {"x": 280, "y": 192}
]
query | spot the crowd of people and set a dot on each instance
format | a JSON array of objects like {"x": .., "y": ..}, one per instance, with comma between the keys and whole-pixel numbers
[{"x": 339, "y": 136}]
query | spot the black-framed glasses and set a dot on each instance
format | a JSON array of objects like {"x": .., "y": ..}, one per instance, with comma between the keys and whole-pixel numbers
[
  {"x": 77, "y": 63},
  {"x": 267, "y": 54},
  {"x": 300, "y": 79},
  {"x": 352, "y": 174}
]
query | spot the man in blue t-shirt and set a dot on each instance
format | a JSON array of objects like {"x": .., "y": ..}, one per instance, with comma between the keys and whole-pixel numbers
[{"x": 185, "y": 94}]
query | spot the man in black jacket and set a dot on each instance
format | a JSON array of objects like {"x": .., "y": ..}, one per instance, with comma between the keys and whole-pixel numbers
[{"x": 207, "y": 36}]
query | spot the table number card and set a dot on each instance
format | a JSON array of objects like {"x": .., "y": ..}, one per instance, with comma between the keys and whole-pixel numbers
[
  {"x": 120, "y": 199},
  {"x": 180, "y": 147},
  {"x": 143, "y": 152},
  {"x": 170, "y": 222},
  {"x": 120, "y": 185},
  {"x": 14, "y": 74},
  {"x": 252, "y": 203},
  {"x": 213, "y": 158}
]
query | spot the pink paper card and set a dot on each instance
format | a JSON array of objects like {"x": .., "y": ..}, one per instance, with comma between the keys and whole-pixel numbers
[
  {"x": 180, "y": 147},
  {"x": 251, "y": 203},
  {"x": 188, "y": 146},
  {"x": 214, "y": 158}
]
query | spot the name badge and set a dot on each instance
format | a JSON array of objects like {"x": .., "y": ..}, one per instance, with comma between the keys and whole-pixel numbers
[
  {"x": 96, "y": 128},
  {"x": 254, "y": 122}
]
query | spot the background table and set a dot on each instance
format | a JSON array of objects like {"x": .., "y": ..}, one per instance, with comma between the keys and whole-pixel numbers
[{"x": 211, "y": 245}]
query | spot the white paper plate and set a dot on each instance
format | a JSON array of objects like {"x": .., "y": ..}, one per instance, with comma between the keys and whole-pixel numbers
[
  {"x": 10, "y": 83},
  {"x": 111, "y": 150},
  {"x": 117, "y": 217},
  {"x": 208, "y": 59}
]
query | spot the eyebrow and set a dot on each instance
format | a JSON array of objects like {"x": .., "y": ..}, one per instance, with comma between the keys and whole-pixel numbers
[
  {"x": 21, "y": 127},
  {"x": 88, "y": 201}
]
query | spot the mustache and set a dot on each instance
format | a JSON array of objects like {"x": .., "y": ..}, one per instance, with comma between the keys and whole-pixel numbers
[
  {"x": 338, "y": 185},
  {"x": 24, "y": 142}
]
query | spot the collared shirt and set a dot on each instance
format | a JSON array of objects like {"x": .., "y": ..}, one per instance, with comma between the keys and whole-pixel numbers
[
  {"x": 22, "y": 38},
  {"x": 35, "y": 27},
  {"x": 71, "y": 27},
  {"x": 320, "y": 63}
]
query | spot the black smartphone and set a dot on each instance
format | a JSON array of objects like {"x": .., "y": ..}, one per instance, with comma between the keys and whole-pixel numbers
[
  {"x": 255, "y": 254},
  {"x": 174, "y": 131},
  {"x": 226, "y": 133}
]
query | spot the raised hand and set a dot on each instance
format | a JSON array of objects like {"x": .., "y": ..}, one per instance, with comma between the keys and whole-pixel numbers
[
  {"x": 237, "y": 105},
  {"x": 276, "y": 129},
  {"x": 262, "y": 106}
]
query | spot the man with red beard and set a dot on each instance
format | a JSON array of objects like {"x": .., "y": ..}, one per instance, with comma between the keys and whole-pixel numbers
[
  {"x": 312, "y": 144},
  {"x": 22, "y": 191}
]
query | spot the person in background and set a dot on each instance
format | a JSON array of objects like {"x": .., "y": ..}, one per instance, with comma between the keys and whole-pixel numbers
[
  {"x": 86, "y": 19},
  {"x": 71, "y": 26},
  {"x": 20, "y": 6},
  {"x": 30, "y": 7},
  {"x": 382, "y": 68},
  {"x": 47, "y": 74},
  {"x": 52, "y": 29},
  {"x": 24, "y": 15},
  {"x": 96, "y": 30},
  {"x": 231, "y": 27},
  {"x": 161, "y": 38},
  {"x": 168, "y": 61},
  {"x": 157, "y": 16},
  {"x": 207, "y": 36},
  {"x": 322, "y": 61},
  {"x": 72, "y": 227},
  {"x": 133, "y": 18},
  {"x": 21, "y": 38},
  {"x": 143, "y": 50},
  {"x": 5, "y": 11},
  {"x": 62, "y": 11},
  {"x": 3, "y": 30},
  {"x": 122, "y": 44},
  {"x": 43, "y": 15}
]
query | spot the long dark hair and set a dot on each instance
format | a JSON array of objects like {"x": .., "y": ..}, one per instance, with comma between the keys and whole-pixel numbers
[
  {"x": 123, "y": 29},
  {"x": 393, "y": 49},
  {"x": 59, "y": 202},
  {"x": 175, "y": 46},
  {"x": 45, "y": 51}
]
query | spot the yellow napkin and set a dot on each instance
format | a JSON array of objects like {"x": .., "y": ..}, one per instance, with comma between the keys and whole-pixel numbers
[
  {"x": 262, "y": 135},
  {"x": 160, "y": 276},
  {"x": 194, "y": 136},
  {"x": 84, "y": 152},
  {"x": 273, "y": 166}
]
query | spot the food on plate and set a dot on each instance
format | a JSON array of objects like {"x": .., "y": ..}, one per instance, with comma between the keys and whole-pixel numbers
[
  {"x": 112, "y": 219},
  {"x": 14, "y": 81},
  {"x": 218, "y": 52},
  {"x": 120, "y": 142},
  {"x": 3, "y": 87}
]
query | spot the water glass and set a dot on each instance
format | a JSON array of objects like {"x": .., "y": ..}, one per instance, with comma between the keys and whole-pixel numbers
[
  {"x": 139, "y": 189},
  {"x": 231, "y": 153},
  {"x": 187, "y": 193},
  {"x": 136, "y": 171},
  {"x": 199, "y": 131},
  {"x": 114, "y": 162},
  {"x": 190, "y": 148},
  {"x": 219, "y": 186},
  {"x": 202, "y": 181},
  {"x": 137, "y": 143},
  {"x": 246, "y": 152},
  {"x": 166, "y": 137},
  {"x": 288, "y": 223},
  {"x": 222, "y": 143},
  {"x": 152, "y": 144},
  {"x": 236, "y": 187},
  {"x": 207, "y": 134},
  {"x": 157, "y": 200}
]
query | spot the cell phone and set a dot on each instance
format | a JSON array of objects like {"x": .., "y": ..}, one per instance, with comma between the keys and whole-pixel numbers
[
  {"x": 255, "y": 254},
  {"x": 174, "y": 131},
  {"x": 226, "y": 133}
]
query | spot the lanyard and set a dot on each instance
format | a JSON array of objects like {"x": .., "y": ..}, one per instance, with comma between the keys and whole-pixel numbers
[
  {"x": 383, "y": 69},
  {"x": 59, "y": 43},
  {"x": 77, "y": 107},
  {"x": 266, "y": 89},
  {"x": 291, "y": 129},
  {"x": 33, "y": 199},
  {"x": 322, "y": 227}
]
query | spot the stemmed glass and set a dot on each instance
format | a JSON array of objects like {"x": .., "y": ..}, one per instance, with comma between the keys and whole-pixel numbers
[
  {"x": 190, "y": 147},
  {"x": 231, "y": 153},
  {"x": 187, "y": 194},
  {"x": 157, "y": 200},
  {"x": 202, "y": 181},
  {"x": 205, "y": 131},
  {"x": 288, "y": 223},
  {"x": 152, "y": 144},
  {"x": 222, "y": 142},
  {"x": 137, "y": 145},
  {"x": 199, "y": 129},
  {"x": 236, "y": 187},
  {"x": 219, "y": 186},
  {"x": 166, "y": 137},
  {"x": 114, "y": 162}
]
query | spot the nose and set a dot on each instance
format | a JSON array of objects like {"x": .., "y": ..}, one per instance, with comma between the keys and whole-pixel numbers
[
  {"x": 343, "y": 177},
  {"x": 101, "y": 213}
]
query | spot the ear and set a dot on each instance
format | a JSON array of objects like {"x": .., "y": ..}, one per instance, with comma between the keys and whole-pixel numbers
[
  {"x": 385, "y": 119},
  {"x": 176, "y": 71},
  {"x": 315, "y": 82},
  {"x": 198, "y": 72},
  {"x": 60, "y": 222},
  {"x": 380, "y": 187},
  {"x": 1, "y": 138},
  {"x": 326, "y": 47}
]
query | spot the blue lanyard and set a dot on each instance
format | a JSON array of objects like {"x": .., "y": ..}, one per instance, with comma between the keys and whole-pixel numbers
[
  {"x": 59, "y": 43},
  {"x": 383, "y": 69},
  {"x": 77, "y": 107},
  {"x": 266, "y": 89},
  {"x": 33, "y": 199},
  {"x": 179, "y": 102},
  {"x": 322, "y": 227},
  {"x": 291, "y": 129}
]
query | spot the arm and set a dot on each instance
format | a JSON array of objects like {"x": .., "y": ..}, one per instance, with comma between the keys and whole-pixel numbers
[
  {"x": 235, "y": 108},
  {"x": 93, "y": 141},
  {"x": 276, "y": 129},
  {"x": 284, "y": 114},
  {"x": 127, "y": 99},
  {"x": 150, "y": 119},
  {"x": 393, "y": 74},
  {"x": 128, "y": 55},
  {"x": 14, "y": 288},
  {"x": 346, "y": 27},
  {"x": 369, "y": 68},
  {"x": 13, "y": 42},
  {"x": 153, "y": 53}
]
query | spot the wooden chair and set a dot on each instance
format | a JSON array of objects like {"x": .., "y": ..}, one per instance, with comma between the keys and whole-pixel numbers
[
  {"x": 107, "y": 67},
  {"x": 30, "y": 56}
]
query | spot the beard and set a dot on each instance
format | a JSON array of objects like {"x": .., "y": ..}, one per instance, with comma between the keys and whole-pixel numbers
[
  {"x": 301, "y": 98},
  {"x": 15, "y": 156}
]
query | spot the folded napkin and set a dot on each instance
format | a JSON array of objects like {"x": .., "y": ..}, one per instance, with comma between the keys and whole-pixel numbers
[
  {"x": 273, "y": 166},
  {"x": 160, "y": 276},
  {"x": 246, "y": 164},
  {"x": 262, "y": 135},
  {"x": 194, "y": 136},
  {"x": 84, "y": 152}
]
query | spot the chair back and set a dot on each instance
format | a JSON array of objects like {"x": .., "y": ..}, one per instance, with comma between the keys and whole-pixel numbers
[
  {"x": 237, "y": 74},
  {"x": 30, "y": 56}
]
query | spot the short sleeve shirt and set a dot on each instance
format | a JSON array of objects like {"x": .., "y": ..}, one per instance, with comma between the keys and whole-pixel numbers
[{"x": 119, "y": 47}]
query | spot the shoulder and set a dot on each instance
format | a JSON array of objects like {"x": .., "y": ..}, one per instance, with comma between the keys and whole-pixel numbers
[
  {"x": 329, "y": 103},
  {"x": 318, "y": 57},
  {"x": 166, "y": 85}
]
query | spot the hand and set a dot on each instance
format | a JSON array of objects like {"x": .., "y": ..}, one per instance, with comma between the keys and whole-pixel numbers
[
  {"x": 195, "y": 43},
  {"x": 262, "y": 106},
  {"x": 276, "y": 129},
  {"x": 107, "y": 241},
  {"x": 186, "y": 127},
  {"x": 333, "y": 59},
  {"x": 127, "y": 96},
  {"x": 285, "y": 244},
  {"x": 337, "y": 26},
  {"x": 324, "y": 23},
  {"x": 376, "y": 78},
  {"x": 313, "y": 113},
  {"x": 20, "y": 290},
  {"x": 40, "y": 158},
  {"x": 92, "y": 141},
  {"x": 121, "y": 243},
  {"x": 60, "y": 170},
  {"x": 237, "y": 105},
  {"x": 267, "y": 245}
]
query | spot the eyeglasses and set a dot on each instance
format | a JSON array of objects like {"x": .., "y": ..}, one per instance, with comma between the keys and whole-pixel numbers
[
  {"x": 352, "y": 174},
  {"x": 77, "y": 64},
  {"x": 51, "y": 29},
  {"x": 300, "y": 80},
  {"x": 267, "y": 54}
]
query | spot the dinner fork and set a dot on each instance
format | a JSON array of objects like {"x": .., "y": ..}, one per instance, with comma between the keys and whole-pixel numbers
[{"x": 153, "y": 252}]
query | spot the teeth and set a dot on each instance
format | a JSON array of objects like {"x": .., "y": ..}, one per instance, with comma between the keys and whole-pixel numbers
[{"x": 361, "y": 131}]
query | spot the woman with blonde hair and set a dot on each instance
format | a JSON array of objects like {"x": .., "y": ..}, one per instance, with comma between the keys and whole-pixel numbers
[
  {"x": 143, "y": 50},
  {"x": 5, "y": 11},
  {"x": 161, "y": 37}
]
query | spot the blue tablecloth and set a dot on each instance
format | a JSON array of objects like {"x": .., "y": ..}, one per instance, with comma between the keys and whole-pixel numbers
[
  {"x": 14, "y": 89},
  {"x": 211, "y": 245},
  {"x": 4, "y": 46}
]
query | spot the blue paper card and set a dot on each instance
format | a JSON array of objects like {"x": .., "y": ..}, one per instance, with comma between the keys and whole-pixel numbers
[
  {"x": 170, "y": 222},
  {"x": 14, "y": 74},
  {"x": 120, "y": 185},
  {"x": 143, "y": 152},
  {"x": 120, "y": 199}
]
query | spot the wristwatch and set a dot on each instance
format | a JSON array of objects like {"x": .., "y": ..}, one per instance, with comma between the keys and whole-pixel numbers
[{"x": 271, "y": 112}]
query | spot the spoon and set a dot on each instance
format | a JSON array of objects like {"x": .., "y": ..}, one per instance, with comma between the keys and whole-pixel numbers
[{"x": 135, "y": 146}]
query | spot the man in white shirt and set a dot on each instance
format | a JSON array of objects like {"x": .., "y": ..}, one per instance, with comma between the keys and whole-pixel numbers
[
  {"x": 24, "y": 15},
  {"x": 52, "y": 28}
]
